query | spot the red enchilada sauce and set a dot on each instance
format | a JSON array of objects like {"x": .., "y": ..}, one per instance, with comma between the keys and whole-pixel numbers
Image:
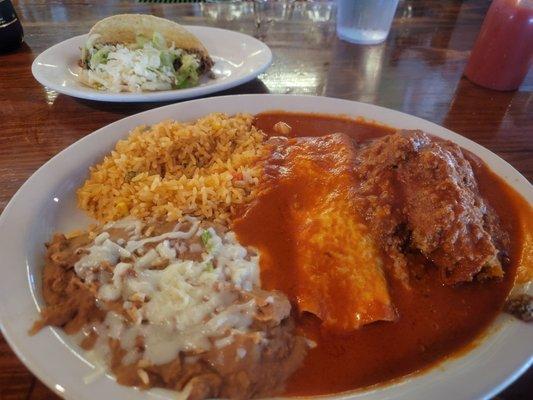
[{"x": 434, "y": 320}]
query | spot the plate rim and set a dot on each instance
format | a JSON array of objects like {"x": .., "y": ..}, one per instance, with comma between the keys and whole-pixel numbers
[
  {"x": 155, "y": 96},
  {"x": 521, "y": 180}
]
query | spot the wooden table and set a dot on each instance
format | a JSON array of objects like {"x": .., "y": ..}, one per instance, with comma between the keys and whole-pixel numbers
[{"x": 417, "y": 71}]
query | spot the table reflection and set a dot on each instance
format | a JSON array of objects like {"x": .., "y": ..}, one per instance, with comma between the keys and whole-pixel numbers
[
  {"x": 423, "y": 57},
  {"x": 51, "y": 96},
  {"x": 361, "y": 70}
]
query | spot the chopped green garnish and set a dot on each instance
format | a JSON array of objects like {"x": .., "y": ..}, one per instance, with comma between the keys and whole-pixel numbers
[
  {"x": 209, "y": 266},
  {"x": 206, "y": 237}
]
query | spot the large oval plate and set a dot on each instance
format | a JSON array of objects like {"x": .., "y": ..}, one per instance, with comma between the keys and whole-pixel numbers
[
  {"x": 46, "y": 203},
  {"x": 238, "y": 58}
]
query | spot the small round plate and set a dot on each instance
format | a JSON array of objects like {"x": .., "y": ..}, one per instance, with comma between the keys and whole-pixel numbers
[
  {"x": 46, "y": 203},
  {"x": 238, "y": 58}
]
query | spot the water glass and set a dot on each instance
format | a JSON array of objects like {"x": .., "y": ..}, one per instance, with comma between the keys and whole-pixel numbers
[{"x": 365, "y": 21}]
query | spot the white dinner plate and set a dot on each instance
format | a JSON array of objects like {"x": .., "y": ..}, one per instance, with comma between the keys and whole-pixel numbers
[
  {"x": 46, "y": 203},
  {"x": 238, "y": 58}
]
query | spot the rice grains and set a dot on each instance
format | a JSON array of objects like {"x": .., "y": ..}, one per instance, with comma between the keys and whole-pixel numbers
[{"x": 206, "y": 169}]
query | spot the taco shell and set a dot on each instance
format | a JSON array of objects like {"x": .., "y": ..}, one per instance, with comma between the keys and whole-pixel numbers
[{"x": 124, "y": 29}]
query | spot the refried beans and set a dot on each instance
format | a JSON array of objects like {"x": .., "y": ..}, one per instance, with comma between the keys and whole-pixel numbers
[{"x": 172, "y": 305}]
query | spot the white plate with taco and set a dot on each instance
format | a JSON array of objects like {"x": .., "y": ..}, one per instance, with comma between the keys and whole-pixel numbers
[{"x": 137, "y": 57}]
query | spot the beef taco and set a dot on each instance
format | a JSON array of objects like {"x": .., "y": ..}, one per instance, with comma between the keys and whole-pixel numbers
[{"x": 136, "y": 52}]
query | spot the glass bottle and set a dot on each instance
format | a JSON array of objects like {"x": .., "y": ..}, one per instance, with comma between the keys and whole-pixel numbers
[{"x": 11, "y": 34}]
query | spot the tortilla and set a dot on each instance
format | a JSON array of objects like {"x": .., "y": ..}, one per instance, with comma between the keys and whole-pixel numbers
[{"x": 124, "y": 29}]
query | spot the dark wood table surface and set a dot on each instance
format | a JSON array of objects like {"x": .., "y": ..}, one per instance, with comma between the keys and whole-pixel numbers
[{"x": 417, "y": 70}]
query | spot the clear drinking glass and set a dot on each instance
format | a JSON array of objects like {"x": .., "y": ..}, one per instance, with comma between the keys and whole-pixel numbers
[{"x": 365, "y": 21}]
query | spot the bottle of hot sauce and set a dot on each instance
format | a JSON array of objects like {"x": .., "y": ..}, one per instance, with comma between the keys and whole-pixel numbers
[{"x": 503, "y": 51}]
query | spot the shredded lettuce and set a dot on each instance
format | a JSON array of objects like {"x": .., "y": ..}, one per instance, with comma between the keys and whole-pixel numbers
[
  {"x": 159, "y": 41},
  {"x": 167, "y": 59},
  {"x": 147, "y": 64},
  {"x": 88, "y": 49},
  {"x": 187, "y": 74},
  {"x": 100, "y": 57}
]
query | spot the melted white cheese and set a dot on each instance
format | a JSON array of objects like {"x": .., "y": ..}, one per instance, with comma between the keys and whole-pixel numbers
[
  {"x": 103, "y": 250},
  {"x": 186, "y": 306}
]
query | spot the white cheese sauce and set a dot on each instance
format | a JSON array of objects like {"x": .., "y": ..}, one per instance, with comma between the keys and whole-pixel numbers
[{"x": 173, "y": 304}]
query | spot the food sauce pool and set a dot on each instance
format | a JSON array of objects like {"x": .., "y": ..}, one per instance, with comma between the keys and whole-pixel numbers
[{"x": 435, "y": 321}]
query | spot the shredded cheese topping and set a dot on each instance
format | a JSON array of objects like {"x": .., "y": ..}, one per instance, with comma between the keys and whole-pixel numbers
[{"x": 180, "y": 291}]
